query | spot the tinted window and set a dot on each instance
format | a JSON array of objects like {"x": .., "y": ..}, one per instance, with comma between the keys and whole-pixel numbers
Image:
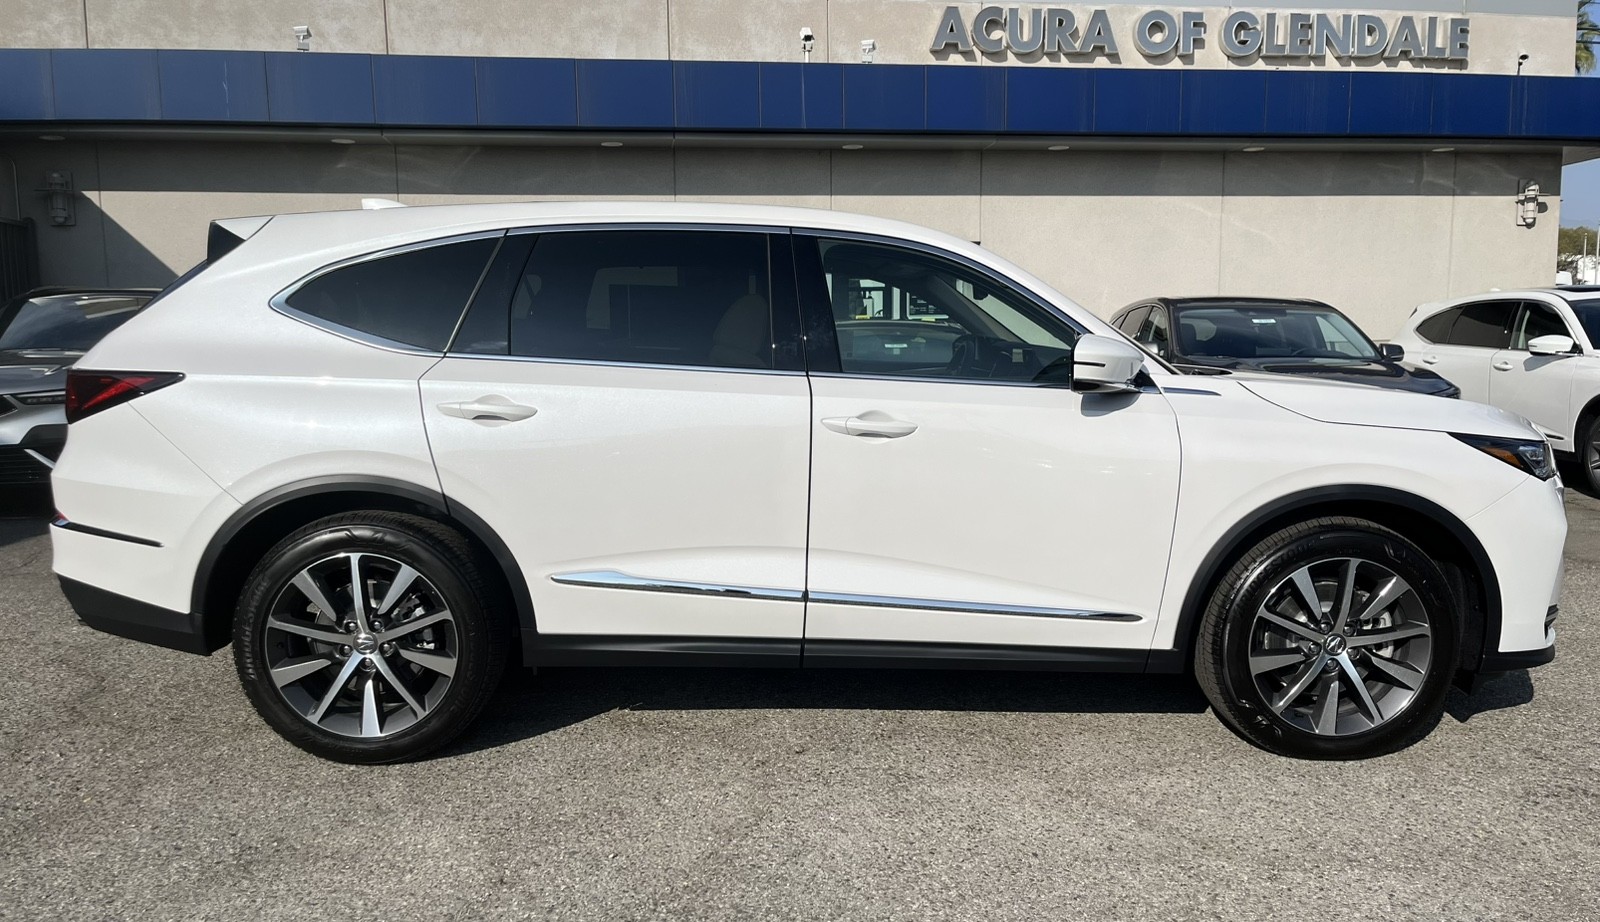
[
  {"x": 1132, "y": 321},
  {"x": 646, "y": 297},
  {"x": 1537, "y": 320},
  {"x": 1255, "y": 332},
  {"x": 414, "y": 298},
  {"x": 65, "y": 323},
  {"x": 1153, "y": 332},
  {"x": 1486, "y": 325},
  {"x": 1436, "y": 329},
  {"x": 1588, "y": 311},
  {"x": 899, "y": 311}
]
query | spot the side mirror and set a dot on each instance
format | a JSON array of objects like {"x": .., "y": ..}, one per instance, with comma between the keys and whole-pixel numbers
[
  {"x": 1392, "y": 351},
  {"x": 1552, "y": 345},
  {"x": 1104, "y": 365}
]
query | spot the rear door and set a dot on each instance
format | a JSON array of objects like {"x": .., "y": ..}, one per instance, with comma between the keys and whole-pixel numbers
[
  {"x": 1461, "y": 346},
  {"x": 1536, "y": 386},
  {"x": 625, "y": 408}
]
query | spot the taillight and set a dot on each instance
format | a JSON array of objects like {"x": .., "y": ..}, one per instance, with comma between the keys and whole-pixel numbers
[{"x": 89, "y": 392}]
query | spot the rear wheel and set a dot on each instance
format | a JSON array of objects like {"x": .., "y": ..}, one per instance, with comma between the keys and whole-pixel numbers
[
  {"x": 1589, "y": 454},
  {"x": 1331, "y": 639},
  {"x": 370, "y": 637}
]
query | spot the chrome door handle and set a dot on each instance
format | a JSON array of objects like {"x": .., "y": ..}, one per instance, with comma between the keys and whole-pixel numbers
[
  {"x": 490, "y": 407},
  {"x": 1502, "y": 366},
  {"x": 1430, "y": 360},
  {"x": 882, "y": 427}
]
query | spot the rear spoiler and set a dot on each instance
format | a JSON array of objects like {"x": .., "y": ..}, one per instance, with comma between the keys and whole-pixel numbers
[{"x": 228, "y": 233}]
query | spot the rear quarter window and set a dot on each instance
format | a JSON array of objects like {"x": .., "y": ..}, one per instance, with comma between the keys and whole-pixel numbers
[
  {"x": 1436, "y": 329},
  {"x": 413, "y": 298}
]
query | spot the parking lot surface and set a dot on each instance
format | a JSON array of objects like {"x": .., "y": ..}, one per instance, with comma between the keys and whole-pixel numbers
[{"x": 137, "y": 783}]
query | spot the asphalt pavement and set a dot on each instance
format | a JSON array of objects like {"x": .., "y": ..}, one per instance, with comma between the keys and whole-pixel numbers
[{"x": 137, "y": 783}]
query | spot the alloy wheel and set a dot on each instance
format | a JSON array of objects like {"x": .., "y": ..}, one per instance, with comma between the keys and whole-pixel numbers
[
  {"x": 1341, "y": 646},
  {"x": 361, "y": 645}
]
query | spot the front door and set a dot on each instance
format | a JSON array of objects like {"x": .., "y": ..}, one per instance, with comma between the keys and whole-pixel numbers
[
  {"x": 959, "y": 494},
  {"x": 1536, "y": 386},
  {"x": 615, "y": 409},
  {"x": 1463, "y": 346}
]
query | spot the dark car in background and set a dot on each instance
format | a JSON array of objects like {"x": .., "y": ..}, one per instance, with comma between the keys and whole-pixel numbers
[
  {"x": 1272, "y": 335},
  {"x": 41, "y": 334}
]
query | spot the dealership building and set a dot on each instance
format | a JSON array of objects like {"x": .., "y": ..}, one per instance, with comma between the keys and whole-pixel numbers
[{"x": 1369, "y": 156}]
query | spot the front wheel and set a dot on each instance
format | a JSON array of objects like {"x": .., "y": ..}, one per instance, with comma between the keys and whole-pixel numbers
[
  {"x": 370, "y": 637},
  {"x": 1332, "y": 639}
]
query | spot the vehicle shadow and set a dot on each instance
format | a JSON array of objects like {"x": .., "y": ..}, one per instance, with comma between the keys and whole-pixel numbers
[
  {"x": 1513, "y": 689},
  {"x": 530, "y": 704},
  {"x": 25, "y": 502}
]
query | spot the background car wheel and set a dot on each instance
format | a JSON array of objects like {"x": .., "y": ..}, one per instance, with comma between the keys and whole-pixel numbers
[
  {"x": 1334, "y": 638},
  {"x": 370, "y": 637},
  {"x": 1589, "y": 454}
]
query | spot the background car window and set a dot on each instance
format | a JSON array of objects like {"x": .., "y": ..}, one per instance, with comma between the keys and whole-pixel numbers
[
  {"x": 1153, "y": 332},
  {"x": 1486, "y": 325},
  {"x": 1588, "y": 311},
  {"x": 646, "y": 297},
  {"x": 1132, "y": 321},
  {"x": 1256, "y": 332},
  {"x": 414, "y": 298},
  {"x": 65, "y": 323},
  {"x": 1436, "y": 329},
  {"x": 902, "y": 312},
  {"x": 1537, "y": 320}
]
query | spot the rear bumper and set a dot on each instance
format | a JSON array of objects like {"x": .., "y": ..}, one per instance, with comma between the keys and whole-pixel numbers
[{"x": 136, "y": 620}]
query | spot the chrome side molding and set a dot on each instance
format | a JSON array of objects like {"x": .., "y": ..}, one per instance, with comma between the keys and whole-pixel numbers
[{"x": 615, "y": 579}]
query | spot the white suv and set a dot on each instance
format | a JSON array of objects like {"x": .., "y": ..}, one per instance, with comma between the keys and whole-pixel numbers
[
  {"x": 388, "y": 452},
  {"x": 1530, "y": 352}
]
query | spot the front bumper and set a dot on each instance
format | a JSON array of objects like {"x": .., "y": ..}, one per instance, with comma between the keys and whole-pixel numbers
[
  {"x": 31, "y": 439},
  {"x": 1525, "y": 659}
]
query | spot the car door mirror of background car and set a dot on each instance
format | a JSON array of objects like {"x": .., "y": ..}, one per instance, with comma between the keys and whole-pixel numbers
[
  {"x": 1552, "y": 345},
  {"x": 1102, "y": 365},
  {"x": 1392, "y": 351}
]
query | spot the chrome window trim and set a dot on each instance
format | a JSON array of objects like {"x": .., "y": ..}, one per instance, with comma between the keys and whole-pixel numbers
[
  {"x": 604, "y": 363},
  {"x": 975, "y": 608},
  {"x": 615, "y": 579},
  {"x": 280, "y": 301},
  {"x": 584, "y": 226}
]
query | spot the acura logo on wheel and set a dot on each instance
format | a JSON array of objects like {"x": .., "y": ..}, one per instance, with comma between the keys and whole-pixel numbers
[{"x": 1334, "y": 644}]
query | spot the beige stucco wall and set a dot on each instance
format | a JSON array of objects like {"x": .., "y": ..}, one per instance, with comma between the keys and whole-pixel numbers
[
  {"x": 1375, "y": 234},
  {"x": 682, "y": 29}
]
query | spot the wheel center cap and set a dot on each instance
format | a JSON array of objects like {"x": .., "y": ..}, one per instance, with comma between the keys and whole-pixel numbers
[
  {"x": 366, "y": 644},
  {"x": 1334, "y": 644}
]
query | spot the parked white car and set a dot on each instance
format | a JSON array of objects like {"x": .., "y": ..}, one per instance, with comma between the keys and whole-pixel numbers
[
  {"x": 1531, "y": 352},
  {"x": 387, "y": 452}
]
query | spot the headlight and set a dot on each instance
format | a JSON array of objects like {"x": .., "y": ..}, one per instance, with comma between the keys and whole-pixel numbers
[
  {"x": 41, "y": 399},
  {"x": 1530, "y": 457}
]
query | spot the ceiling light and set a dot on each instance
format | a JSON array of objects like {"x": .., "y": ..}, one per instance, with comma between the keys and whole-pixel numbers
[
  {"x": 1254, "y": 150},
  {"x": 610, "y": 143},
  {"x": 344, "y": 140},
  {"x": 1059, "y": 147},
  {"x": 52, "y": 137},
  {"x": 852, "y": 147},
  {"x": 1444, "y": 150}
]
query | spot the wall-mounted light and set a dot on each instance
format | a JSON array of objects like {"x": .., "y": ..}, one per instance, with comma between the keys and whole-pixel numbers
[
  {"x": 1521, "y": 62},
  {"x": 1529, "y": 204},
  {"x": 57, "y": 189},
  {"x": 302, "y": 38},
  {"x": 869, "y": 48}
]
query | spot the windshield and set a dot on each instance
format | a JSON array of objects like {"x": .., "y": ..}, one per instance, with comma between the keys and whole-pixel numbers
[
  {"x": 65, "y": 323},
  {"x": 1588, "y": 311},
  {"x": 1253, "y": 332}
]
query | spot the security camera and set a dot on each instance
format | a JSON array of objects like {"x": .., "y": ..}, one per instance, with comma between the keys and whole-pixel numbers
[{"x": 808, "y": 39}]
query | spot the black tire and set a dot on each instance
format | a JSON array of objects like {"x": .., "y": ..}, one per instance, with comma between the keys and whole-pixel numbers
[
  {"x": 1234, "y": 636},
  {"x": 1588, "y": 454},
  {"x": 472, "y": 641}
]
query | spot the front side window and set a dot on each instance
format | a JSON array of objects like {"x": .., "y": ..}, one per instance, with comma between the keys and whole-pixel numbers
[
  {"x": 1153, "y": 333},
  {"x": 70, "y": 323},
  {"x": 898, "y": 311},
  {"x": 413, "y": 298},
  {"x": 700, "y": 298},
  {"x": 1132, "y": 321},
  {"x": 1588, "y": 311},
  {"x": 1484, "y": 326},
  {"x": 1537, "y": 320}
]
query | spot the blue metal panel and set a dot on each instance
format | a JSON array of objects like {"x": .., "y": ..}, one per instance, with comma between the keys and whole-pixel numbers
[
  {"x": 25, "y": 91},
  {"x": 1559, "y": 107},
  {"x": 1049, "y": 100},
  {"x": 213, "y": 86},
  {"x": 802, "y": 96},
  {"x": 625, "y": 94},
  {"x": 106, "y": 85},
  {"x": 717, "y": 94},
  {"x": 1138, "y": 102},
  {"x": 418, "y": 90},
  {"x": 1391, "y": 104},
  {"x": 1471, "y": 106},
  {"x": 885, "y": 97},
  {"x": 1224, "y": 102},
  {"x": 1304, "y": 102},
  {"x": 320, "y": 89},
  {"x": 966, "y": 99},
  {"x": 527, "y": 92}
]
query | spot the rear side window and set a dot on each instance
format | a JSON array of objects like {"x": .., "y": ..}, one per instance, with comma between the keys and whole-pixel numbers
[
  {"x": 1436, "y": 329},
  {"x": 414, "y": 298},
  {"x": 1486, "y": 326},
  {"x": 690, "y": 297}
]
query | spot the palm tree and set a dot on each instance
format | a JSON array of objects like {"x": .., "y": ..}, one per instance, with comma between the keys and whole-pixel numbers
[{"x": 1588, "y": 35}]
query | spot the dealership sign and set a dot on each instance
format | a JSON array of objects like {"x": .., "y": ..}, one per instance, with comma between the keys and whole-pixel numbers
[{"x": 1242, "y": 34}]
